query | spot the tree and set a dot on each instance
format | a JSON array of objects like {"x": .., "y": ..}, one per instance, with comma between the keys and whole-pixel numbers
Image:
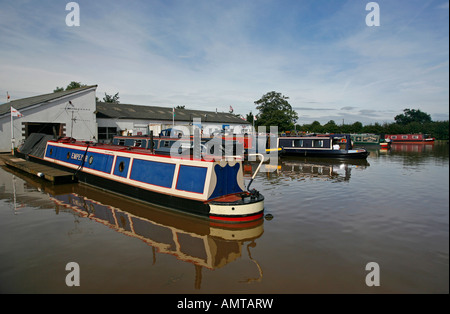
[
  {"x": 111, "y": 99},
  {"x": 72, "y": 85},
  {"x": 275, "y": 110},
  {"x": 331, "y": 127},
  {"x": 412, "y": 115},
  {"x": 250, "y": 117}
]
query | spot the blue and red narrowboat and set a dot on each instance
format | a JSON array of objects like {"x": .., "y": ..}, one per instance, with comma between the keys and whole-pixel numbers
[{"x": 208, "y": 187}]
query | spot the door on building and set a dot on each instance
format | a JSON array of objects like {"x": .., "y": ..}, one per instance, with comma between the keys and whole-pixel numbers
[{"x": 55, "y": 129}]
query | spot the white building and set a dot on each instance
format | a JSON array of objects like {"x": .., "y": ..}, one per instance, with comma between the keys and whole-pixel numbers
[
  {"x": 124, "y": 119},
  {"x": 66, "y": 113},
  {"x": 75, "y": 113}
]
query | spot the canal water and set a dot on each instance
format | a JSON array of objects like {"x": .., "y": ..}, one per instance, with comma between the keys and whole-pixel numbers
[{"x": 325, "y": 222}]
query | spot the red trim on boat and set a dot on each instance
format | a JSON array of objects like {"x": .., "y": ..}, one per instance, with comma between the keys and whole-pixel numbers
[{"x": 237, "y": 219}]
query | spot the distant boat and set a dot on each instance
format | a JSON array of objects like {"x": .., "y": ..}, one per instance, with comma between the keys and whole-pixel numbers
[
  {"x": 321, "y": 146},
  {"x": 367, "y": 139},
  {"x": 410, "y": 138},
  {"x": 206, "y": 187}
]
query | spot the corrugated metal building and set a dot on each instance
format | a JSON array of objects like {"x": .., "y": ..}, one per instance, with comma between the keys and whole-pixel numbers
[
  {"x": 125, "y": 119},
  {"x": 76, "y": 113}
]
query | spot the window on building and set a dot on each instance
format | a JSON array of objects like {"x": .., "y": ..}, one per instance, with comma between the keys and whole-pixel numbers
[{"x": 106, "y": 134}]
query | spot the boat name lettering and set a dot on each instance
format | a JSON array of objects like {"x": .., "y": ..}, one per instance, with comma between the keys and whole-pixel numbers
[{"x": 76, "y": 156}]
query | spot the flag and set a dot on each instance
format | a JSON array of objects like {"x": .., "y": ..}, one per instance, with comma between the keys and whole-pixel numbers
[
  {"x": 173, "y": 111},
  {"x": 7, "y": 96},
  {"x": 15, "y": 113},
  {"x": 231, "y": 109}
]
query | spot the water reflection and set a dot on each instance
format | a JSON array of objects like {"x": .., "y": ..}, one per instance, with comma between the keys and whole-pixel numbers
[
  {"x": 197, "y": 241},
  {"x": 415, "y": 153},
  {"x": 301, "y": 168},
  {"x": 412, "y": 148}
]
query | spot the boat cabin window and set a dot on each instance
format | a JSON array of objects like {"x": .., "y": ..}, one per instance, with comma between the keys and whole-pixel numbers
[
  {"x": 404, "y": 137},
  {"x": 121, "y": 142},
  {"x": 416, "y": 137},
  {"x": 394, "y": 137},
  {"x": 297, "y": 143},
  {"x": 139, "y": 143},
  {"x": 318, "y": 143},
  {"x": 370, "y": 139}
]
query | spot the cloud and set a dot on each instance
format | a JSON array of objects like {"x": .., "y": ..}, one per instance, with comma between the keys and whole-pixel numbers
[{"x": 207, "y": 54}]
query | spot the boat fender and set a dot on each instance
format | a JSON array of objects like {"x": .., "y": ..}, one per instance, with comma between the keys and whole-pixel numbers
[
  {"x": 254, "y": 194},
  {"x": 268, "y": 217},
  {"x": 40, "y": 174}
]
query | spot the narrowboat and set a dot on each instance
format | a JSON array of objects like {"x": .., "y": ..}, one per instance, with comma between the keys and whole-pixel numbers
[
  {"x": 370, "y": 139},
  {"x": 207, "y": 187},
  {"x": 410, "y": 138},
  {"x": 321, "y": 146}
]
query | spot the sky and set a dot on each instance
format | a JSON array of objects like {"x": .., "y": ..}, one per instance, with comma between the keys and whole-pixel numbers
[{"x": 325, "y": 55}]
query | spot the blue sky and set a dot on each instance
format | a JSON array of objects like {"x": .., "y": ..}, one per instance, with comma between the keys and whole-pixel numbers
[{"x": 208, "y": 54}]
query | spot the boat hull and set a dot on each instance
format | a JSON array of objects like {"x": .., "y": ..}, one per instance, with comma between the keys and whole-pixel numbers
[
  {"x": 211, "y": 189},
  {"x": 347, "y": 154},
  {"x": 217, "y": 210}
]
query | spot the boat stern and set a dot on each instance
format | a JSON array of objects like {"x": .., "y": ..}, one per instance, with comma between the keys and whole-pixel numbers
[{"x": 240, "y": 207}]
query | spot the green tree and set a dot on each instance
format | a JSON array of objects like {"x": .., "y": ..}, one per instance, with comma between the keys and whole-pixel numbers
[
  {"x": 275, "y": 110},
  {"x": 331, "y": 127},
  {"x": 412, "y": 115},
  {"x": 111, "y": 99},
  {"x": 356, "y": 127},
  {"x": 250, "y": 117},
  {"x": 72, "y": 85},
  {"x": 373, "y": 128}
]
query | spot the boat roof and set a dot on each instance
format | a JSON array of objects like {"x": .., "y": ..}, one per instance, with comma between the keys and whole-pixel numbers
[{"x": 129, "y": 149}]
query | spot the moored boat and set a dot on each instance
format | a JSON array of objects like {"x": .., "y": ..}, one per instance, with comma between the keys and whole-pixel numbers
[
  {"x": 410, "y": 138},
  {"x": 212, "y": 188},
  {"x": 321, "y": 146},
  {"x": 367, "y": 139}
]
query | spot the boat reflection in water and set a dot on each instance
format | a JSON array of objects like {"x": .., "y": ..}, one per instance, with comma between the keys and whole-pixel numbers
[
  {"x": 312, "y": 168},
  {"x": 412, "y": 148},
  {"x": 198, "y": 241}
]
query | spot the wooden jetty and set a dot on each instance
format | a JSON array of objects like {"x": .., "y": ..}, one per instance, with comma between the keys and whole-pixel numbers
[{"x": 51, "y": 174}]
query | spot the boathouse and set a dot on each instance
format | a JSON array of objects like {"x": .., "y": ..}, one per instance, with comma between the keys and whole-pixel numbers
[
  {"x": 76, "y": 113},
  {"x": 65, "y": 113}
]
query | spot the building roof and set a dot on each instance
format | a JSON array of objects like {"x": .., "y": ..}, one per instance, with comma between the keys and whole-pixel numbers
[
  {"x": 124, "y": 111},
  {"x": 36, "y": 100}
]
